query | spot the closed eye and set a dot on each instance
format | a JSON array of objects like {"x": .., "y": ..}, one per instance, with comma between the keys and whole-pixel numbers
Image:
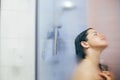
[{"x": 95, "y": 33}]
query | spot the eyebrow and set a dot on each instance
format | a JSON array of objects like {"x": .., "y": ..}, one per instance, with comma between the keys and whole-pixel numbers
[{"x": 93, "y": 32}]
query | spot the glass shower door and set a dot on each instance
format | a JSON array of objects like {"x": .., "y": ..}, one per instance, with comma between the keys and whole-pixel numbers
[{"x": 58, "y": 24}]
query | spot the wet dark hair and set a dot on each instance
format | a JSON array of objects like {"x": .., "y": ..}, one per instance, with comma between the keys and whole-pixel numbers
[{"x": 80, "y": 54}]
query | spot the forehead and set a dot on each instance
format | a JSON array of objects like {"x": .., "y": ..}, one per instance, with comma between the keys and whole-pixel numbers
[{"x": 91, "y": 31}]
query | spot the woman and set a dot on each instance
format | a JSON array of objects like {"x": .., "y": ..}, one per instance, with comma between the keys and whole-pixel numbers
[{"x": 89, "y": 44}]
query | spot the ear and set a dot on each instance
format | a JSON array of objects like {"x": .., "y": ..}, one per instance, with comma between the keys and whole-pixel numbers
[{"x": 84, "y": 44}]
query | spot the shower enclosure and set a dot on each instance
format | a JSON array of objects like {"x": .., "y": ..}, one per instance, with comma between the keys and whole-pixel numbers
[{"x": 59, "y": 21}]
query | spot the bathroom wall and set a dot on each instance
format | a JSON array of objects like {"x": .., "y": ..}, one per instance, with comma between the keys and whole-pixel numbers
[{"x": 17, "y": 40}]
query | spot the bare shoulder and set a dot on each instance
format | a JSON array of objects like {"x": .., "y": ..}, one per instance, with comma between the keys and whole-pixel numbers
[{"x": 83, "y": 73}]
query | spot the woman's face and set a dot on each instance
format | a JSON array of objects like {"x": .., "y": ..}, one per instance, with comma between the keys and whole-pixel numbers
[{"x": 96, "y": 39}]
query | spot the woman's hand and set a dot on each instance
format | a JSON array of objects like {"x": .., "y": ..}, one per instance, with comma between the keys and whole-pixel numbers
[{"x": 107, "y": 75}]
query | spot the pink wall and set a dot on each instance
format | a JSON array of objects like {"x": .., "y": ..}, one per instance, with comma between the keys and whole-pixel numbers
[{"x": 103, "y": 15}]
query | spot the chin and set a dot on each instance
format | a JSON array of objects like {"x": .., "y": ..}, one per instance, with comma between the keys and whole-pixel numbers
[{"x": 105, "y": 46}]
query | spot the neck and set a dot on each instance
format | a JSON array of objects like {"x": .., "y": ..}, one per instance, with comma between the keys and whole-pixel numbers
[{"x": 93, "y": 56}]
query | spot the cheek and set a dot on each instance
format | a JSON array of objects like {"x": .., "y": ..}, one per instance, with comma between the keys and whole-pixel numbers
[
  {"x": 94, "y": 40},
  {"x": 97, "y": 42}
]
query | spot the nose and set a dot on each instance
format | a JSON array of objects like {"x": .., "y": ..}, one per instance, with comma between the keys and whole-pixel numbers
[{"x": 102, "y": 36}]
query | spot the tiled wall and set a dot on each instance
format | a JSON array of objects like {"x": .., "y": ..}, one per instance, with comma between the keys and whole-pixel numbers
[{"x": 17, "y": 40}]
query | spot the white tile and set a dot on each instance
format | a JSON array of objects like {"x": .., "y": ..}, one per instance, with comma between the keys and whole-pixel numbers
[
  {"x": 17, "y": 51},
  {"x": 17, "y": 4},
  {"x": 17, "y": 44},
  {"x": 17, "y": 24},
  {"x": 16, "y": 73}
]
